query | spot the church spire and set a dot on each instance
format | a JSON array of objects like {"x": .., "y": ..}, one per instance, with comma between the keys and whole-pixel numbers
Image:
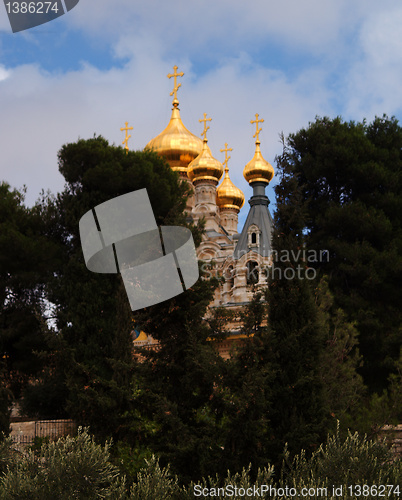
[
  {"x": 126, "y": 129},
  {"x": 205, "y": 168},
  {"x": 257, "y": 230},
  {"x": 176, "y": 85},
  {"x": 258, "y": 169},
  {"x": 228, "y": 196},
  {"x": 176, "y": 144}
]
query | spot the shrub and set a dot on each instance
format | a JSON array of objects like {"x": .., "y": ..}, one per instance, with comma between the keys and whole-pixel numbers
[
  {"x": 343, "y": 463},
  {"x": 154, "y": 483},
  {"x": 72, "y": 467}
]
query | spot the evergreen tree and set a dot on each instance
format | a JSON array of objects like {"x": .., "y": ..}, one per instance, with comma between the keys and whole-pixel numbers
[
  {"x": 94, "y": 321},
  {"x": 344, "y": 391},
  {"x": 247, "y": 392},
  {"x": 181, "y": 376},
  {"x": 26, "y": 260},
  {"x": 350, "y": 176},
  {"x": 298, "y": 414}
]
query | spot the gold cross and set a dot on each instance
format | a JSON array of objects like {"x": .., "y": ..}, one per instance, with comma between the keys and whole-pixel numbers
[
  {"x": 127, "y": 136},
  {"x": 227, "y": 158},
  {"x": 257, "y": 132},
  {"x": 176, "y": 85},
  {"x": 205, "y": 120}
]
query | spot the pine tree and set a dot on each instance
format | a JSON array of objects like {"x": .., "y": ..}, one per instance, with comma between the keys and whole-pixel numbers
[
  {"x": 340, "y": 360},
  {"x": 298, "y": 414},
  {"x": 94, "y": 321},
  {"x": 350, "y": 179},
  {"x": 26, "y": 261},
  {"x": 247, "y": 391},
  {"x": 181, "y": 376}
]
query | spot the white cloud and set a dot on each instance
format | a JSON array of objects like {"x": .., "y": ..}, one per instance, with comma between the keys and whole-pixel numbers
[
  {"x": 373, "y": 83},
  {"x": 40, "y": 111},
  {"x": 312, "y": 24},
  {"x": 4, "y": 73},
  {"x": 381, "y": 37}
]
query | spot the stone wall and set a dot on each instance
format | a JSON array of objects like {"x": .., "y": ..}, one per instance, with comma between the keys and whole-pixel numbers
[
  {"x": 393, "y": 434},
  {"x": 25, "y": 432}
]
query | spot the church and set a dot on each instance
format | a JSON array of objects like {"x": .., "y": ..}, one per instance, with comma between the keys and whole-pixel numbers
[{"x": 240, "y": 257}]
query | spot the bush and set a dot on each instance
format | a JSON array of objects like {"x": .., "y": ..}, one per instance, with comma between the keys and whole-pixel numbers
[
  {"x": 77, "y": 468},
  {"x": 342, "y": 463},
  {"x": 234, "y": 484},
  {"x": 154, "y": 483},
  {"x": 9, "y": 457},
  {"x": 72, "y": 467}
]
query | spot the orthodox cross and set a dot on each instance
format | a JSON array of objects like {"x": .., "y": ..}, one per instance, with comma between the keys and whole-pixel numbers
[
  {"x": 176, "y": 85},
  {"x": 205, "y": 120},
  {"x": 257, "y": 132},
  {"x": 127, "y": 128},
  {"x": 227, "y": 158}
]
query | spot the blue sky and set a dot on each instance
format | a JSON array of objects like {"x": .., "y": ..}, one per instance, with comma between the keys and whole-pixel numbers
[{"x": 106, "y": 62}]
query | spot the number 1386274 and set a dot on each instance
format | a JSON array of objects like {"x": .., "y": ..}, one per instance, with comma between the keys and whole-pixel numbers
[{"x": 32, "y": 7}]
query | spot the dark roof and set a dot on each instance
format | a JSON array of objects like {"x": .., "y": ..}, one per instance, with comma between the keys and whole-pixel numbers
[{"x": 260, "y": 216}]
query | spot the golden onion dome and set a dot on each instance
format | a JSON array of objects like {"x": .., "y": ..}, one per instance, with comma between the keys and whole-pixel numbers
[
  {"x": 205, "y": 166},
  {"x": 258, "y": 169},
  {"x": 228, "y": 195},
  {"x": 177, "y": 144}
]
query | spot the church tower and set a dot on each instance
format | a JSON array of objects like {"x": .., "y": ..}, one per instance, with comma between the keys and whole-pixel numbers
[
  {"x": 238, "y": 258},
  {"x": 229, "y": 199},
  {"x": 257, "y": 230},
  {"x": 177, "y": 144},
  {"x": 205, "y": 172}
]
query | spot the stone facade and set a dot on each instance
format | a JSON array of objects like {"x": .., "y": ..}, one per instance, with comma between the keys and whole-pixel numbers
[{"x": 240, "y": 258}]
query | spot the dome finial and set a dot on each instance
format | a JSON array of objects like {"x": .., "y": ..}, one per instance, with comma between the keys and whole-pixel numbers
[
  {"x": 126, "y": 129},
  {"x": 205, "y": 168},
  {"x": 175, "y": 143},
  {"x": 205, "y": 120},
  {"x": 257, "y": 132},
  {"x": 176, "y": 85},
  {"x": 228, "y": 196},
  {"x": 227, "y": 158},
  {"x": 258, "y": 169}
]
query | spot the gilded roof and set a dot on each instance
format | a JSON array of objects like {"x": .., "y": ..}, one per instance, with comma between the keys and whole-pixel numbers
[
  {"x": 205, "y": 166},
  {"x": 177, "y": 144},
  {"x": 258, "y": 169},
  {"x": 228, "y": 195}
]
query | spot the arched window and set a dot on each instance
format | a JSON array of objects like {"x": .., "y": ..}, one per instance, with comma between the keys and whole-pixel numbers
[
  {"x": 253, "y": 233},
  {"x": 252, "y": 272}
]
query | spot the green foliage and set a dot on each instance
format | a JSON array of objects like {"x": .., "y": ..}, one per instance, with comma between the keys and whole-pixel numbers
[
  {"x": 26, "y": 259},
  {"x": 92, "y": 362},
  {"x": 234, "y": 483},
  {"x": 130, "y": 460},
  {"x": 343, "y": 462},
  {"x": 298, "y": 414},
  {"x": 154, "y": 482},
  {"x": 77, "y": 467},
  {"x": 68, "y": 468},
  {"x": 180, "y": 377},
  {"x": 382, "y": 409},
  {"x": 9, "y": 457},
  {"x": 339, "y": 360},
  {"x": 5, "y": 403},
  {"x": 246, "y": 393},
  {"x": 349, "y": 177}
]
